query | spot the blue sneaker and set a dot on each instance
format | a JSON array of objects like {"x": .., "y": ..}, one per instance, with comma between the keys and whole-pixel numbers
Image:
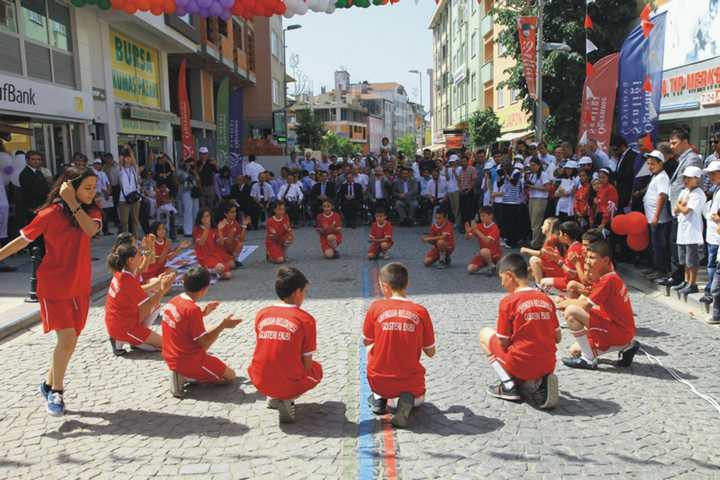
[
  {"x": 44, "y": 392},
  {"x": 55, "y": 405}
]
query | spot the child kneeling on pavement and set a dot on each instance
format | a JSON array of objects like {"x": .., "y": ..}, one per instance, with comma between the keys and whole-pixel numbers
[
  {"x": 282, "y": 366},
  {"x": 186, "y": 340},
  {"x": 522, "y": 349}
]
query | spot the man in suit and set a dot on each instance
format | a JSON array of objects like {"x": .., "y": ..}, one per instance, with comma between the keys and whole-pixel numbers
[
  {"x": 624, "y": 173},
  {"x": 379, "y": 190},
  {"x": 350, "y": 199},
  {"x": 34, "y": 187},
  {"x": 405, "y": 194},
  {"x": 263, "y": 196},
  {"x": 291, "y": 193},
  {"x": 240, "y": 192},
  {"x": 321, "y": 191}
]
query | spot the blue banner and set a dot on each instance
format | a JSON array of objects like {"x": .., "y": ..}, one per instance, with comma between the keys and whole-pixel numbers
[
  {"x": 640, "y": 81},
  {"x": 235, "y": 132}
]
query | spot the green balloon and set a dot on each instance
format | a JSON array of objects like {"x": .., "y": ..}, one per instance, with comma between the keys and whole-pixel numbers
[
  {"x": 342, "y": 4},
  {"x": 361, "y": 3},
  {"x": 78, "y": 3},
  {"x": 378, "y": 3},
  {"x": 105, "y": 4}
]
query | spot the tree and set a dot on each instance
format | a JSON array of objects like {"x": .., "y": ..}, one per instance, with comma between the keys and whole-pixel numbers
[
  {"x": 407, "y": 144},
  {"x": 309, "y": 129},
  {"x": 334, "y": 144},
  {"x": 564, "y": 73},
  {"x": 484, "y": 128}
]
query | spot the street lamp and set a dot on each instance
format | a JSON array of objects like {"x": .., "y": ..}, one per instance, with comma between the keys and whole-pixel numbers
[
  {"x": 419, "y": 74},
  {"x": 289, "y": 28}
]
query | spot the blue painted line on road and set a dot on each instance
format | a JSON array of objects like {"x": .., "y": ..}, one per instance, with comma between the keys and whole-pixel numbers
[{"x": 366, "y": 453}]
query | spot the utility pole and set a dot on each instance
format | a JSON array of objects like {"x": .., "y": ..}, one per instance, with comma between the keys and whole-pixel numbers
[{"x": 538, "y": 81}]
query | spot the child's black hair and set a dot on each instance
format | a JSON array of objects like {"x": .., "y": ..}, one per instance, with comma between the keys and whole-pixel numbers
[
  {"x": 196, "y": 279},
  {"x": 515, "y": 264},
  {"x": 119, "y": 256},
  {"x": 288, "y": 281},
  {"x": 572, "y": 229}
]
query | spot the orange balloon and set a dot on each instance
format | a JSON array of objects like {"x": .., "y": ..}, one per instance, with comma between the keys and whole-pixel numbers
[
  {"x": 156, "y": 9},
  {"x": 169, "y": 6},
  {"x": 638, "y": 243},
  {"x": 619, "y": 225},
  {"x": 130, "y": 7},
  {"x": 143, "y": 5}
]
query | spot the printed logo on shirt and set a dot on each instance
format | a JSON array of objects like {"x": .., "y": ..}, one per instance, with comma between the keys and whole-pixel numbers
[
  {"x": 170, "y": 315},
  {"x": 398, "y": 326},
  {"x": 274, "y": 334}
]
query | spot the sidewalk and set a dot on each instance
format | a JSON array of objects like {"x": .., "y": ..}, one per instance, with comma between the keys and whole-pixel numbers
[{"x": 15, "y": 313}]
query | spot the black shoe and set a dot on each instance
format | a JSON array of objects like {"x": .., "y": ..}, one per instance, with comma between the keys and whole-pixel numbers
[
  {"x": 446, "y": 261},
  {"x": 286, "y": 411},
  {"x": 625, "y": 357},
  {"x": 377, "y": 405},
  {"x": 548, "y": 394},
  {"x": 579, "y": 362},
  {"x": 689, "y": 289},
  {"x": 504, "y": 393},
  {"x": 678, "y": 286},
  {"x": 118, "y": 352},
  {"x": 405, "y": 404},
  {"x": 675, "y": 282},
  {"x": 706, "y": 299},
  {"x": 654, "y": 276},
  {"x": 665, "y": 281}
]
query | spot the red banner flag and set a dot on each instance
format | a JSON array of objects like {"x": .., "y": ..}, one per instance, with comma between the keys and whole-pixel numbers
[
  {"x": 527, "y": 30},
  {"x": 188, "y": 147},
  {"x": 598, "y": 103}
]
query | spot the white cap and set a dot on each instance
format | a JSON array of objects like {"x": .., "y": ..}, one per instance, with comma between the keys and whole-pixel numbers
[
  {"x": 657, "y": 155},
  {"x": 97, "y": 160},
  {"x": 489, "y": 164},
  {"x": 519, "y": 157},
  {"x": 714, "y": 166},
  {"x": 570, "y": 164},
  {"x": 692, "y": 172},
  {"x": 585, "y": 161},
  {"x": 533, "y": 145},
  {"x": 453, "y": 158},
  {"x": 203, "y": 150}
]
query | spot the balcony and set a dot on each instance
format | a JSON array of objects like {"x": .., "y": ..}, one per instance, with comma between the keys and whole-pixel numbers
[
  {"x": 486, "y": 73},
  {"x": 486, "y": 26}
]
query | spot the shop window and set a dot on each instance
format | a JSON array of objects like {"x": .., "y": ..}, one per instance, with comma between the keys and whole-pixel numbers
[{"x": 8, "y": 16}]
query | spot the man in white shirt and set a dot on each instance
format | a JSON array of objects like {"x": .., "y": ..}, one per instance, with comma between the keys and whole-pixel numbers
[
  {"x": 452, "y": 172},
  {"x": 262, "y": 193},
  {"x": 658, "y": 214},
  {"x": 253, "y": 169},
  {"x": 599, "y": 154},
  {"x": 549, "y": 161},
  {"x": 291, "y": 193},
  {"x": 436, "y": 193}
]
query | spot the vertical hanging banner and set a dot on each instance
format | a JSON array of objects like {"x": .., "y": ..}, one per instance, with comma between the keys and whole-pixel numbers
[
  {"x": 221, "y": 122},
  {"x": 640, "y": 83},
  {"x": 598, "y": 102},
  {"x": 235, "y": 132},
  {"x": 186, "y": 138},
  {"x": 527, "y": 31}
]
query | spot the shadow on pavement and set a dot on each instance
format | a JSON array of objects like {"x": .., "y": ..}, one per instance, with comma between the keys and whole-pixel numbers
[
  {"x": 649, "y": 333},
  {"x": 145, "y": 423},
  {"x": 636, "y": 461},
  {"x": 649, "y": 370},
  {"x": 322, "y": 420},
  {"x": 430, "y": 419},
  {"x": 572, "y": 406},
  {"x": 229, "y": 393}
]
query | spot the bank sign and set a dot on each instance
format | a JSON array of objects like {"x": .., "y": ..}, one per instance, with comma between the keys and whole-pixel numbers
[
  {"x": 135, "y": 74},
  {"x": 18, "y": 94}
]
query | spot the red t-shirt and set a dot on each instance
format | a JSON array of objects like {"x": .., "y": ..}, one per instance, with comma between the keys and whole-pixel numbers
[
  {"x": 606, "y": 200},
  {"x": 209, "y": 253},
  {"x": 122, "y": 304},
  {"x": 230, "y": 231},
  {"x": 182, "y": 326},
  {"x": 284, "y": 335},
  {"x": 528, "y": 318},
  {"x": 398, "y": 329},
  {"x": 446, "y": 230},
  {"x": 332, "y": 221},
  {"x": 158, "y": 266},
  {"x": 277, "y": 228},
  {"x": 66, "y": 269},
  {"x": 582, "y": 196},
  {"x": 493, "y": 232},
  {"x": 551, "y": 245},
  {"x": 381, "y": 233},
  {"x": 575, "y": 250},
  {"x": 610, "y": 295}
]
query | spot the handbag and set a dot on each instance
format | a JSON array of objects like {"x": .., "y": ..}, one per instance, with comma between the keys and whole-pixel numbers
[{"x": 132, "y": 197}]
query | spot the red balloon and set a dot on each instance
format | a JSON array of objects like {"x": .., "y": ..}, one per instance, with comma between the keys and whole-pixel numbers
[
  {"x": 118, "y": 4},
  {"x": 638, "y": 243},
  {"x": 156, "y": 9},
  {"x": 169, "y": 6},
  {"x": 619, "y": 224},
  {"x": 636, "y": 223},
  {"x": 143, "y": 5},
  {"x": 130, "y": 8}
]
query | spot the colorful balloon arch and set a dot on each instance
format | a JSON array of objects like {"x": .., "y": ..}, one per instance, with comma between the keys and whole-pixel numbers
[{"x": 224, "y": 9}]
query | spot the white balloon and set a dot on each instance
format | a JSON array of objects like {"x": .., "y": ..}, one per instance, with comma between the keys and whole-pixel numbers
[
  {"x": 18, "y": 166},
  {"x": 302, "y": 8},
  {"x": 331, "y": 7}
]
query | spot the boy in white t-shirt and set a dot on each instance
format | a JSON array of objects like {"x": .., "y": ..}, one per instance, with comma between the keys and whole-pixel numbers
[
  {"x": 688, "y": 209},
  {"x": 658, "y": 215},
  {"x": 712, "y": 237}
]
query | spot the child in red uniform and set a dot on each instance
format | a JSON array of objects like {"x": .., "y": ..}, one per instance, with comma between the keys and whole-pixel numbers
[
  {"x": 279, "y": 235},
  {"x": 397, "y": 331},
  {"x": 231, "y": 233},
  {"x": 162, "y": 252},
  {"x": 129, "y": 310},
  {"x": 488, "y": 235},
  {"x": 522, "y": 349},
  {"x": 185, "y": 340},
  {"x": 442, "y": 238},
  {"x": 581, "y": 203},
  {"x": 544, "y": 263},
  {"x": 572, "y": 264},
  {"x": 606, "y": 200},
  {"x": 329, "y": 226},
  {"x": 603, "y": 321},
  {"x": 282, "y": 366},
  {"x": 67, "y": 221},
  {"x": 208, "y": 250},
  {"x": 381, "y": 236}
]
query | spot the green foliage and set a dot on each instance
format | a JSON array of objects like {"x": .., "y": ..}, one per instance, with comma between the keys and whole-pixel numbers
[
  {"x": 564, "y": 73},
  {"x": 310, "y": 130},
  {"x": 408, "y": 145},
  {"x": 484, "y": 128},
  {"x": 333, "y": 144}
]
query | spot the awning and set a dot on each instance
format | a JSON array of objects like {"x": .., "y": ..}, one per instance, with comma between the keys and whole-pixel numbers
[
  {"x": 435, "y": 147},
  {"x": 510, "y": 136},
  {"x": 9, "y": 128}
]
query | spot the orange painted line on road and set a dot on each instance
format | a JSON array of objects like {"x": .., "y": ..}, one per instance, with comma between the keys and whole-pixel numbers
[{"x": 389, "y": 452}]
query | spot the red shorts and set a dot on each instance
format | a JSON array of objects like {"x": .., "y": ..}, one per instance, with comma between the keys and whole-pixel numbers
[
  {"x": 375, "y": 247},
  {"x": 135, "y": 335},
  {"x": 393, "y": 387},
  {"x": 551, "y": 269},
  {"x": 479, "y": 262},
  {"x": 521, "y": 368},
  {"x": 206, "y": 369},
  {"x": 603, "y": 333},
  {"x": 284, "y": 390},
  {"x": 212, "y": 261},
  {"x": 324, "y": 245},
  {"x": 434, "y": 254},
  {"x": 275, "y": 250},
  {"x": 62, "y": 314}
]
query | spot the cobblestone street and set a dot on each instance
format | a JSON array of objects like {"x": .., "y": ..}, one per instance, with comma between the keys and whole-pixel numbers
[{"x": 123, "y": 422}]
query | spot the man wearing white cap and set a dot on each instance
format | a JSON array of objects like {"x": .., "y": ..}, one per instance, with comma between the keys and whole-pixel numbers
[
  {"x": 688, "y": 209},
  {"x": 207, "y": 170},
  {"x": 658, "y": 215},
  {"x": 452, "y": 173},
  {"x": 712, "y": 238}
]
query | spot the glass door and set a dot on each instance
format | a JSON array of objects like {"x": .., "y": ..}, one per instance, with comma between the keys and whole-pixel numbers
[{"x": 61, "y": 153}]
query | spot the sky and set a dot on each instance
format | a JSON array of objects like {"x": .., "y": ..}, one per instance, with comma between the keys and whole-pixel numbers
[{"x": 377, "y": 44}]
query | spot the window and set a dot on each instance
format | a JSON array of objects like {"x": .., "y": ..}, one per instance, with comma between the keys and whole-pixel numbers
[
  {"x": 275, "y": 44},
  {"x": 8, "y": 16},
  {"x": 237, "y": 35},
  {"x": 473, "y": 86},
  {"x": 35, "y": 20},
  {"x": 276, "y": 92},
  {"x": 59, "y": 26},
  {"x": 502, "y": 51},
  {"x": 473, "y": 44},
  {"x": 222, "y": 27},
  {"x": 500, "y": 94},
  {"x": 514, "y": 95}
]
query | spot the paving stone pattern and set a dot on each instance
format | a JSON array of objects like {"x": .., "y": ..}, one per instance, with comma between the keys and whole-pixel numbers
[{"x": 122, "y": 420}]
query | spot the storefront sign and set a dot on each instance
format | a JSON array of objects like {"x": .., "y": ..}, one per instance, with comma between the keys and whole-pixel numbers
[
  {"x": 141, "y": 127},
  {"x": 28, "y": 97},
  {"x": 690, "y": 90},
  {"x": 710, "y": 99},
  {"x": 135, "y": 71}
]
